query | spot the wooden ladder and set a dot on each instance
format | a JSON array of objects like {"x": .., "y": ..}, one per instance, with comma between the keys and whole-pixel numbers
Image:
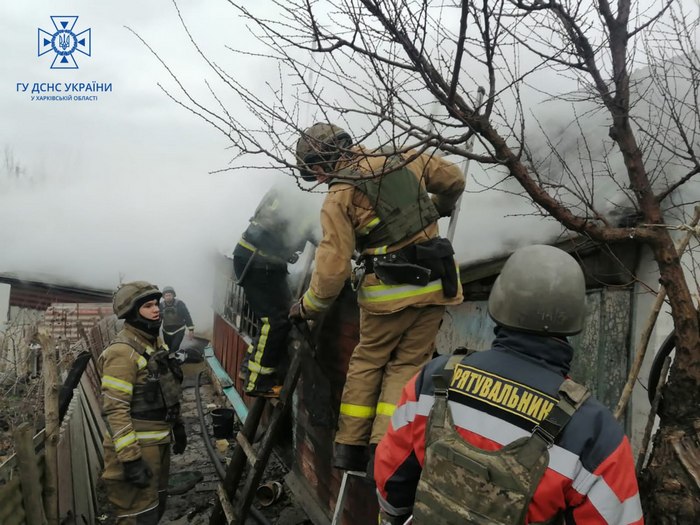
[{"x": 232, "y": 508}]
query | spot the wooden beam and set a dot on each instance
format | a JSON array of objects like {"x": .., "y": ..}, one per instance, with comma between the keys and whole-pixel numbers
[
  {"x": 50, "y": 376},
  {"x": 225, "y": 504},
  {"x": 30, "y": 480}
]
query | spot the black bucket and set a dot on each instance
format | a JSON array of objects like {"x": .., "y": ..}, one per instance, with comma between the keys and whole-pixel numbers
[{"x": 222, "y": 422}]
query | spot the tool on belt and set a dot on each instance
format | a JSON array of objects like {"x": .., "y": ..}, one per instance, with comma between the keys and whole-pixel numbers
[{"x": 416, "y": 264}]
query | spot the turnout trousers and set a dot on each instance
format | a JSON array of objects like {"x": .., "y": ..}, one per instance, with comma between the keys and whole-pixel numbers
[
  {"x": 133, "y": 505},
  {"x": 268, "y": 294},
  {"x": 392, "y": 348}
]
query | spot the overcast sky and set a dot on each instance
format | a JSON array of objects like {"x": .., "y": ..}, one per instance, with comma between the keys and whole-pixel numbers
[{"x": 120, "y": 188}]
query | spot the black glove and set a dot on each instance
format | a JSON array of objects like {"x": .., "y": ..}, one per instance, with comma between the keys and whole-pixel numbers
[
  {"x": 297, "y": 312},
  {"x": 180, "y": 436},
  {"x": 442, "y": 211},
  {"x": 137, "y": 473}
]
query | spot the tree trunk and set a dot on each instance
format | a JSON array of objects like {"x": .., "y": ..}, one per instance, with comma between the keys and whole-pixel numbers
[{"x": 671, "y": 482}]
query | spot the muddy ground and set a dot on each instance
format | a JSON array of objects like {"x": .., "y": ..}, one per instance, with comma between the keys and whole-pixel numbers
[{"x": 194, "y": 507}]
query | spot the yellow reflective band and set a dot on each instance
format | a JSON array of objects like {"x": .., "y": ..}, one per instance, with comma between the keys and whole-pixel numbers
[
  {"x": 346, "y": 409},
  {"x": 252, "y": 248},
  {"x": 378, "y": 251},
  {"x": 390, "y": 292},
  {"x": 117, "y": 384},
  {"x": 385, "y": 409},
  {"x": 262, "y": 339},
  {"x": 368, "y": 227},
  {"x": 141, "y": 362},
  {"x": 154, "y": 435},
  {"x": 314, "y": 303},
  {"x": 124, "y": 441},
  {"x": 247, "y": 246},
  {"x": 263, "y": 370}
]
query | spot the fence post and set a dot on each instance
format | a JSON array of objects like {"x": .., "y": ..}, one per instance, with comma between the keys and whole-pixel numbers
[
  {"x": 29, "y": 475},
  {"x": 50, "y": 374}
]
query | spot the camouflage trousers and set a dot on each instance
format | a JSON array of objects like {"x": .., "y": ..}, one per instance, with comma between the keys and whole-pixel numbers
[
  {"x": 133, "y": 505},
  {"x": 392, "y": 348}
]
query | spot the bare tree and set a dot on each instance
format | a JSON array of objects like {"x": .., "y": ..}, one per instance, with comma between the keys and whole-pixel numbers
[
  {"x": 11, "y": 168},
  {"x": 591, "y": 112}
]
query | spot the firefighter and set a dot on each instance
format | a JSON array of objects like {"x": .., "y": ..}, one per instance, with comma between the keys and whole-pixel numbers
[
  {"x": 277, "y": 233},
  {"x": 176, "y": 318},
  {"x": 503, "y": 436},
  {"x": 380, "y": 204},
  {"x": 141, "y": 408}
]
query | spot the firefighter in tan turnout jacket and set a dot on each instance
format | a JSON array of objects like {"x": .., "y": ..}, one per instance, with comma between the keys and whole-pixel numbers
[
  {"x": 141, "y": 407},
  {"x": 385, "y": 205}
]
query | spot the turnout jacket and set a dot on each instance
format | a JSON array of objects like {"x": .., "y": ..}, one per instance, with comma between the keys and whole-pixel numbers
[
  {"x": 347, "y": 214},
  {"x": 278, "y": 229},
  {"x": 175, "y": 316},
  {"x": 122, "y": 369},
  {"x": 496, "y": 397}
]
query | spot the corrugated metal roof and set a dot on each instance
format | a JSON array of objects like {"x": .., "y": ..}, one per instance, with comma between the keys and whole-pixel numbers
[
  {"x": 39, "y": 295},
  {"x": 66, "y": 320}
]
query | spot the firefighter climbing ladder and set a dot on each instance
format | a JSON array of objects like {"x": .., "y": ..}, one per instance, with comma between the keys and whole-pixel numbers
[
  {"x": 235, "y": 513},
  {"x": 225, "y": 512}
]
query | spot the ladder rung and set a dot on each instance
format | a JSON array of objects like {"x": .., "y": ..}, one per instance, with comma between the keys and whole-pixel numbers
[
  {"x": 248, "y": 449},
  {"x": 226, "y": 506}
]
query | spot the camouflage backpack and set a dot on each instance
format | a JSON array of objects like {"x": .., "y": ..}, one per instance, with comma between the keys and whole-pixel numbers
[{"x": 464, "y": 485}]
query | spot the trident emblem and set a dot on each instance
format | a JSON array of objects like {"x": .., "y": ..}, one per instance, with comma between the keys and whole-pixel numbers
[{"x": 64, "y": 41}]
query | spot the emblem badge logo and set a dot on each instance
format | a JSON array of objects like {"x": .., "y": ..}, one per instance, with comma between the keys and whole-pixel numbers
[{"x": 64, "y": 42}]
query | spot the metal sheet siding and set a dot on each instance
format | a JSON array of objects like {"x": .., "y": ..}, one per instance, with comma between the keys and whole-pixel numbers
[{"x": 600, "y": 351}]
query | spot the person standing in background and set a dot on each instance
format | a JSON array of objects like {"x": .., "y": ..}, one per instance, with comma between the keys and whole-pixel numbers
[{"x": 176, "y": 318}]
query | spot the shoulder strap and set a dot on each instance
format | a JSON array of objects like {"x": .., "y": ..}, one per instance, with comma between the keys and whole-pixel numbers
[
  {"x": 571, "y": 396},
  {"x": 440, "y": 417},
  {"x": 442, "y": 379},
  {"x": 140, "y": 348}
]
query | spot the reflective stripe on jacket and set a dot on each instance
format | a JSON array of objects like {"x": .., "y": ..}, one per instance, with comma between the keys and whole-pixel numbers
[
  {"x": 347, "y": 213},
  {"x": 121, "y": 368},
  {"x": 495, "y": 397}
]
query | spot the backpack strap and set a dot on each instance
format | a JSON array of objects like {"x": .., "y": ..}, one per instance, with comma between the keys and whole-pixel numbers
[
  {"x": 441, "y": 380},
  {"x": 571, "y": 396}
]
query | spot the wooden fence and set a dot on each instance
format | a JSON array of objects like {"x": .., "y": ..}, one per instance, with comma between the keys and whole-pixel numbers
[{"x": 79, "y": 449}]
